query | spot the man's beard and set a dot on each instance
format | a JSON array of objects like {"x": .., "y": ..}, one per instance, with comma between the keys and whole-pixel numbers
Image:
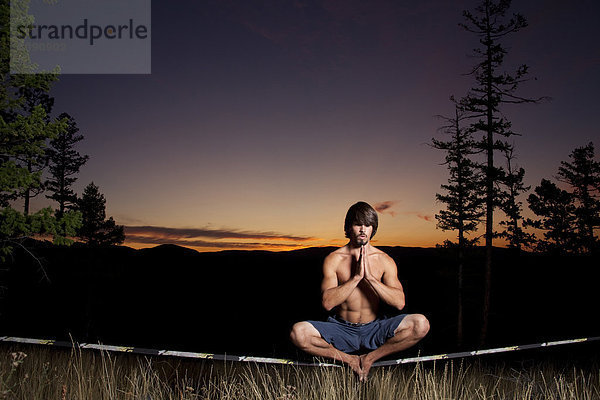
[{"x": 361, "y": 241}]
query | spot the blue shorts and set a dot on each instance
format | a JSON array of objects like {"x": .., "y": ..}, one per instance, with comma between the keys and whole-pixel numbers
[{"x": 349, "y": 337}]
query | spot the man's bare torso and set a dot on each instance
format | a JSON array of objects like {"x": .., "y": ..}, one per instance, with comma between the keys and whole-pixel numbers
[{"x": 363, "y": 303}]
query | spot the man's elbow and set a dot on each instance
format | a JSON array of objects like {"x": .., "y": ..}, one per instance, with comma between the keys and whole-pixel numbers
[
  {"x": 400, "y": 303},
  {"x": 327, "y": 305}
]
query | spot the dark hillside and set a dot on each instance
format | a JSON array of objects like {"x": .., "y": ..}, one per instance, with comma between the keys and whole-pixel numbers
[{"x": 244, "y": 302}]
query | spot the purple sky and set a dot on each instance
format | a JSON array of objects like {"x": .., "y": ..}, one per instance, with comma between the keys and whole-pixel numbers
[{"x": 263, "y": 121}]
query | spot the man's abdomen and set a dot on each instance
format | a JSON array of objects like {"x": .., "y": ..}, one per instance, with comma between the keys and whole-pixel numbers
[{"x": 359, "y": 308}]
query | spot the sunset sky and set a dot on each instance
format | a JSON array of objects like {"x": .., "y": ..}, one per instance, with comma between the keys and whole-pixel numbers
[{"x": 263, "y": 121}]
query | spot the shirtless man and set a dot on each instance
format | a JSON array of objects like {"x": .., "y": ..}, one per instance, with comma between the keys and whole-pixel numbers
[{"x": 356, "y": 278}]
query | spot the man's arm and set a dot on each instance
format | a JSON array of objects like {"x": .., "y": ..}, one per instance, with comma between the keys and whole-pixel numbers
[
  {"x": 332, "y": 294},
  {"x": 389, "y": 289}
]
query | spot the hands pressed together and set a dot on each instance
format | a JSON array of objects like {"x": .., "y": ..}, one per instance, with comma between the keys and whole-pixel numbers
[{"x": 363, "y": 268}]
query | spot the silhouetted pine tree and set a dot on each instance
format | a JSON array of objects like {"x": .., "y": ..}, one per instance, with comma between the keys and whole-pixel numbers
[
  {"x": 64, "y": 164},
  {"x": 583, "y": 175},
  {"x": 493, "y": 88},
  {"x": 556, "y": 210},
  {"x": 96, "y": 230},
  {"x": 462, "y": 196},
  {"x": 512, "y": 182}
]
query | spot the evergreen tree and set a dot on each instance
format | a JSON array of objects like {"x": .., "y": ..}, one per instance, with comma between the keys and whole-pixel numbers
[
  {"x": 462, "y": 198},
  {"x": 96, "y": 230},
  {"x": 556, "y": 210},
  {"x": 493, "y": 88},
  {"x": 24, "y": 129},
  {"x": 37, "y": 161},
  {"x": 64, "y": 164},
  {"x": 583, "y": 175},
  {"x": 512, "y": 181}
]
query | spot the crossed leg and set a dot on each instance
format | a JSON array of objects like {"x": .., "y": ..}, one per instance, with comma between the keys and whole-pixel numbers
[
  {"x": 412, "y": 329},
  {"x": 305, "y": 336}
]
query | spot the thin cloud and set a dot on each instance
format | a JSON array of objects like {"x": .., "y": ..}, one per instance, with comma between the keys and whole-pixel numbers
[
  {"x": 384, "y": 207},
  {"x": 209, "y": 244},
  {"x": 125, "y": 220},
  {"x": 426, "y": 217},
  {"x": 161, "y": 232}
]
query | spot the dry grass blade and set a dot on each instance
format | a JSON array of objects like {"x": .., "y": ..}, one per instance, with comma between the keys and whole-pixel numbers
[{"x": 28, "y": 372}]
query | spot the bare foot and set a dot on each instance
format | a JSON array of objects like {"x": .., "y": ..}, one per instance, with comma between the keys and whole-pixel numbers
[{"x": 365, "y": 366}]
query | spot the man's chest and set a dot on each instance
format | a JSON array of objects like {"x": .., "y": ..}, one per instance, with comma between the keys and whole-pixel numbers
[{"x": 345, "y": 272}]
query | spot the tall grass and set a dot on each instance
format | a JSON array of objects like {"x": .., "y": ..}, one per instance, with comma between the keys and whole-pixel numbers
[{"x": 45, "y": 373}]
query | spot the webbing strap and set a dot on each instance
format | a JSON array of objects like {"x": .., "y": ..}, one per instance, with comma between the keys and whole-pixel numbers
[{"x": 266, "y": 360}]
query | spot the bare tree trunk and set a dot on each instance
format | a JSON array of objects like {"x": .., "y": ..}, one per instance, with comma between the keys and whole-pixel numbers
[
  {"x": 461, "y": 246},
  {"x": 26, "y": 207},
  {"x": 459, "y": 322},
  {"x": 489, "y": 201},
  {"x": 487, "y": 292}
]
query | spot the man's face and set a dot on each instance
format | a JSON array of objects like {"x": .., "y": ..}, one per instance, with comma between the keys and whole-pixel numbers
[{"x": 361, "y": 234}]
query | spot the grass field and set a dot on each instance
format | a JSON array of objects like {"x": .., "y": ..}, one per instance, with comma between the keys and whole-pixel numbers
[{"x": 29, "y": 372}]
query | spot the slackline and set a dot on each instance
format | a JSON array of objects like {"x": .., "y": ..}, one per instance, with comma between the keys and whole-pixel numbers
[{"x": 266, "y": 360}]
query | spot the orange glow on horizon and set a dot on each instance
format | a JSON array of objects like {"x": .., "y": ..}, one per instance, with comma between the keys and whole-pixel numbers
[
  {"x": 289, "y": 247},
  {"x": 333, "y": 243}
]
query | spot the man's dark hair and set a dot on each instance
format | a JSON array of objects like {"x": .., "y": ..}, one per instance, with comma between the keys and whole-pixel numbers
[{"x": 361, "y": 213}]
